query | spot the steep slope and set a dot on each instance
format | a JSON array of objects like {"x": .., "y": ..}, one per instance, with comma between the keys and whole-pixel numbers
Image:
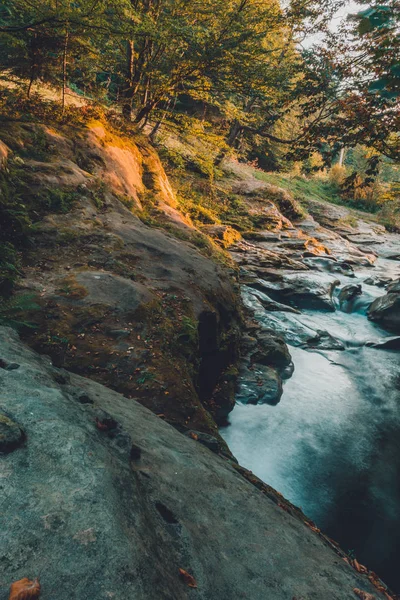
[
  {"x": 102, "y": 499},
  {"x": 127, "y": 290}
]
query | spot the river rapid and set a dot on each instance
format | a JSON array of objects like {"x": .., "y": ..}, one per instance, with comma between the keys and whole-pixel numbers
[{"x": 332, "y": 444}]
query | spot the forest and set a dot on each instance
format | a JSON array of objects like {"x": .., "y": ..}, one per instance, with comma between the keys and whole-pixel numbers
[{"x": 277, "y": 83}]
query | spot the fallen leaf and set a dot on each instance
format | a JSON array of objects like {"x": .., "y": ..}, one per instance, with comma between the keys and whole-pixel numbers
[
  {"x": 363, "y": 595},
  {"x": 187, "y": 578},
  {"x": 356, "y": 565},
  {"x": 25, "y": 589},
  {"x": 194, "y": 435}
]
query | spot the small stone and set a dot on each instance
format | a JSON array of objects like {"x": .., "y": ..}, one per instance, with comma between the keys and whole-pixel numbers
[
  {"x": 11, "y": 436},
  {"x": 12, "y": 367}
]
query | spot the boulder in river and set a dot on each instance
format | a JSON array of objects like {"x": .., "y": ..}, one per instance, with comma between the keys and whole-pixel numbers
[
  {"x": 378, "y": 281},
  {"x": 392, "y": 343},
  {"x": 301, "y": 291},
  {"x": 347, "y": 294},
  {"x": 324, "y": 341},
  {"x": 266, "y": 347},
  {"x": 259, "y": 384},
  {"x": 386, "y": 309}
]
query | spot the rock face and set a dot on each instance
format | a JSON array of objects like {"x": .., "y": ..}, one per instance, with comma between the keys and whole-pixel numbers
[
  {"x": 386, "y": 310},
  {"x": 223, "y": 234},
  {"x": 141, "y": 309},
  {"x": 105, "y": 500},
  {"x": 300, "y": 291},
  {"x": 265, "y": 362}
]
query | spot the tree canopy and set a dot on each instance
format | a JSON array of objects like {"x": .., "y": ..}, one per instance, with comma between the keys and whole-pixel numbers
[{"x": 243, "y": 59}]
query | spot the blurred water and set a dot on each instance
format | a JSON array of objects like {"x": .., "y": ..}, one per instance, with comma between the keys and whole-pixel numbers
[{"x": 332, "y": 445}]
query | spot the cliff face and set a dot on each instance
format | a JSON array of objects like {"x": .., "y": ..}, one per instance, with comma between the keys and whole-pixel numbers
[
  {"x": 128, "y": 293},
  {"x": 102, "y": 499}
]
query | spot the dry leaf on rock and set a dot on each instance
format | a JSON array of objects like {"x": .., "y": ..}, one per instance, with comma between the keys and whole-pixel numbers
[
  {"x": 363, "y": 595},
  {"x": 24, "y": 589},
  {"x": 187, "y": 578}
]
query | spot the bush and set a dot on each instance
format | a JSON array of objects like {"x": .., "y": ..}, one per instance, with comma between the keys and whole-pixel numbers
[{"x": 337, "y": 174}]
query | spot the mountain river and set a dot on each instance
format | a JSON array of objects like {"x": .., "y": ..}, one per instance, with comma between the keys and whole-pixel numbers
[{"x": 332, "y": 444}]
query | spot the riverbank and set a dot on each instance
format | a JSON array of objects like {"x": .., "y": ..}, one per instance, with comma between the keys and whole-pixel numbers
[{"x": 329, "y": 441}]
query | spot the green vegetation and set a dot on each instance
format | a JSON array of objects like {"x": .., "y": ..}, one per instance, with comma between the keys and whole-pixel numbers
[
  {"x": 14, "y": 310},
  {"x": 302, "y": 188}
]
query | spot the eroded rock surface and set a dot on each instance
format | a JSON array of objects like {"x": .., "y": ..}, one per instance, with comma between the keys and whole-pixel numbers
[
  {"x": 105, "y": 500},
  {"x": 386, "y": 309}
]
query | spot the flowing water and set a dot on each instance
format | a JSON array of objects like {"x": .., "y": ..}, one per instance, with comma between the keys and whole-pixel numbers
[{"x": 332, "y": 444}]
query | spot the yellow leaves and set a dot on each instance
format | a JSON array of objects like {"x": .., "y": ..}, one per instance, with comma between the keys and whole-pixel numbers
[
  {"x": 187, "y": 578},
  {"x": 25, "y": 589}
]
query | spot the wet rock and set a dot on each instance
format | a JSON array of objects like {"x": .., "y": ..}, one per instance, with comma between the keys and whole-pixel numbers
[
  {"x": 136, "y": 452},
  {"x": 324, "y": 341},
  {"x": 330, "y": 265},
  {"x": 394, "y": 287},
  {"x": 270, "y": 350},
  {"x": 209, "y": 441},
  {"x": 378, "y": 281},
  {"x": 271, "y": 305},
  {"x": 8, "y": 366},
  {"x": 259, "y": 384},
  {"x": 300, "y": 291},
  {"x": 84, "y": 398},
  {"x": 392, "y": 343},
  {"x": 348, "y": 293},
  {"x": 386, "y": 310},
  {"x": 11, "y": 435},
  {"x": 287, "y": 372}
]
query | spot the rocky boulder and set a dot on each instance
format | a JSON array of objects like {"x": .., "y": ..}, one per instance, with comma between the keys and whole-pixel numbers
[
  {"x": 347, "y": 294},
  {"x": 301, "y": 291},
  {"x": 386, "y": 310},
  {"x": 259, "y": 384}
]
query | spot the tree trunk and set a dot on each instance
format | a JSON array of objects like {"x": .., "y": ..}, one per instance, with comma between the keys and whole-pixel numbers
[
  {"x": 341, "y": 157},
  {"x": 128, "y": 95},
  {"x": 145, "y": 111},
  {"x": 64, "y": 69},
  {"x": 233, "y": 133},
  {"x": 157, "y": 126},
  {"x": 33, "y": 65}
]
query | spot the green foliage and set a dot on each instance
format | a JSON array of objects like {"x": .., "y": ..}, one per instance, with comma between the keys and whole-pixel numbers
[
  {"x": 9, "y": 267},
  {"x": 13, "y": 309}
]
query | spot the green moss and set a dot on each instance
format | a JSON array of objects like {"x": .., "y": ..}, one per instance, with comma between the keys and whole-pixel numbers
[{"x": 15, "y": 310}]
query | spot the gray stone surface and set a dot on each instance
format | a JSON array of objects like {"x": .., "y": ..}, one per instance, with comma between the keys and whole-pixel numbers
[
  {"x": 105, "y": 500},
  {"x": 386, "y": 309}
]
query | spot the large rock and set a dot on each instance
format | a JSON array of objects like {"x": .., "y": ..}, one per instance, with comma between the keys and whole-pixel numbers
[
  {"x": 259, "y": 384},
  {"x": 386, "y": 309},
  {"x": 348, "y": 294},
  {"x": 301, "y": 291},
  {"x": 121, "y": 301},
  {"x": 105, "y": 500}
]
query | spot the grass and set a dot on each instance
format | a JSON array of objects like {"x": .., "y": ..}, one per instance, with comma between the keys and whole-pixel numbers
[{"x": 304, "y": 189}]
